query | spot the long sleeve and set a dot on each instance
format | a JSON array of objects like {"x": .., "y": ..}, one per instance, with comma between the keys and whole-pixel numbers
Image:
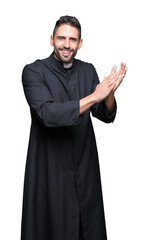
[
  {"x": 49, "y": 112},
  {"x": 99, "y": 110}
]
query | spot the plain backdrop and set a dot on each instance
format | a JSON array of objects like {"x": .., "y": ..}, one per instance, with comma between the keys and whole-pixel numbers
[{"x": 112, "y": 31}]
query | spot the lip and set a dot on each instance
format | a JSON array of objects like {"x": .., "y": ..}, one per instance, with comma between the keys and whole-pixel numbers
[{"x": 65, "y": 53}]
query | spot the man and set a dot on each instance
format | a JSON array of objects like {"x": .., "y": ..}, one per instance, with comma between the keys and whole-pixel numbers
[{"x": 62, "y": 187}]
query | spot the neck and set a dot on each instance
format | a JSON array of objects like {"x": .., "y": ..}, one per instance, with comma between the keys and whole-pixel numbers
[{"x": 67, "y": 65}]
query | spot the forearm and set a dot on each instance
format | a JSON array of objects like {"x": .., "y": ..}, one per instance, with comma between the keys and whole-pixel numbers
[
  {"x": 86, "y": 103},
  {"x": 110, "y": 102}
]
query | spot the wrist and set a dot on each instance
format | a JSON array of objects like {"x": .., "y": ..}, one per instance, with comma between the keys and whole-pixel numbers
[
  {"x": 110, "y": 97},
  {"x": 94, "y": 98},
  {"x": 110, "y": 102}
]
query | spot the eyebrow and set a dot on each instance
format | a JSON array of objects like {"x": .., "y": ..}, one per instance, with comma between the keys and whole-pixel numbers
[{"x": 73, "y": 38}]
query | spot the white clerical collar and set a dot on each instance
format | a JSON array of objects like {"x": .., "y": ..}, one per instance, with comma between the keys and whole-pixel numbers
[{"x": 67, "y": 65}]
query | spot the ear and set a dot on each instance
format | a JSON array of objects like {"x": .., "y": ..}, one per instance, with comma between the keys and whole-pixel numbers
[
  {"x": 80, "y": 43},
  {"x": 51, "y": 41}
]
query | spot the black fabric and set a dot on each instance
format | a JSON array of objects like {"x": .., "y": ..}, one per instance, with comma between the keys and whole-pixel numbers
[
  {"x": 62, "y": 183},
  {"x": 81, "y": 237}
]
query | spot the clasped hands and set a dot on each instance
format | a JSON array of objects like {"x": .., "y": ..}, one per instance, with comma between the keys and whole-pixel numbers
[{"x": 105, "y": 90}]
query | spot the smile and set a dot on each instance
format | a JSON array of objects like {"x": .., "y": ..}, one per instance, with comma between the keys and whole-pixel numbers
[{"x": 65, "y": 53}]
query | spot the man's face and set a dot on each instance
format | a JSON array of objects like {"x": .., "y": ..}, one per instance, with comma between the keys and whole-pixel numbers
[{"x": 66, "y": 43}]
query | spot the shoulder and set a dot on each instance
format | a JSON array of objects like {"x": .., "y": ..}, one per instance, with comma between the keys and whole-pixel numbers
[
  {"x": 86, "y": 66},
  {"x": 83, "y": 63},
  {"x": 36, "y": 65},
  {"x": 33, "y": 71}
]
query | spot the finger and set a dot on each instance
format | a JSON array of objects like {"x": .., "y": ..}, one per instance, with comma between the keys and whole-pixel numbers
[
  {"x": 119, "y": 81},
  {"x": 115, "y": 75},
  {"x": 122, "y": 69},
  {"x": 108, "y": 82},
  {"x": 124, "y": 73},
  {"x": 112, "y": 78},
  {"x": 114, "y": 87},
  {"x": 123, "y": 66},
  {"x": 114, "y": 68}
]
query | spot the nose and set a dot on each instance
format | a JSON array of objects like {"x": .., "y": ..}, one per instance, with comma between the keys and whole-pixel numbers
[{"x": 67, "y": 43}]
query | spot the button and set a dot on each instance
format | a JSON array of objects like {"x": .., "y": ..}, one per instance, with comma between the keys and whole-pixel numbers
[
  {"x": 68, "y": 77},
  {"x": 72, "y": 87}
]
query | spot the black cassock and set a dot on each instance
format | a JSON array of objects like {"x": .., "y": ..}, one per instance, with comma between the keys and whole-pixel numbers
[{"x": 62, "y": 197}]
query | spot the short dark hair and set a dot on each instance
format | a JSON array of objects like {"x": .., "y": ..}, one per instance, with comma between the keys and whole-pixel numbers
[{"x": 72, "y": 21}]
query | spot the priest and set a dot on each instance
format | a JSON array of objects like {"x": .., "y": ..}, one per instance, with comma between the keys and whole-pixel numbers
[{"x": 62, "y": 198}]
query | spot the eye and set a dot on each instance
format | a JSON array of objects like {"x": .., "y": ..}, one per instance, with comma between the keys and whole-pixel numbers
[
  {"x": 61, "y": 38},
  {"x": 73, "y": 40}
]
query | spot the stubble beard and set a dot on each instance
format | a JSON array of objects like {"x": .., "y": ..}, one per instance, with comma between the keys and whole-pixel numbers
[{"x": 65, "y": 59}]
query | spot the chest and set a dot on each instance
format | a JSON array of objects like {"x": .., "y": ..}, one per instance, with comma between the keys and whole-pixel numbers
[{"x": 66, "y": 86}]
